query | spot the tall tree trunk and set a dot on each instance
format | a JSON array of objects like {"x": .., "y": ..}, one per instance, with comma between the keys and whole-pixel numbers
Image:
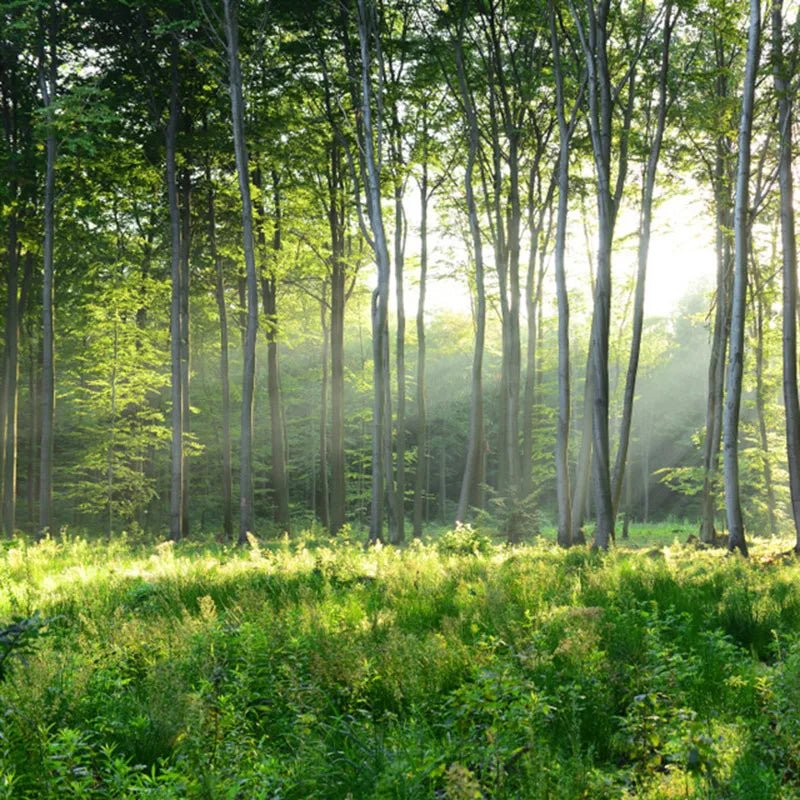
[
  {"x": 475, "y": 443},
  {"x": 736, "y": 537},
  {"x": 269, "y": 299},
  {"x": 246, "y": 511},
  {"x": 186, "y": 231},
  {"x": 565, "y": 537},
  {"x": 400, "y": 347},
  {"x": 422, "y": 432},
  {"x": 324, "y": 491},
  {"x": 224, "y": 370},
  {"x": 641, "y": 275},
  {"x": 760, "y": 395},
  {"x": 280, "y": 483},
  {"x": 48, "y": 68},
  {"x": 594, "y": 42},
  {"x": 719, "y": 339},
  {"x": 176, "y": 528},
  {"x": 8, "y": 429},
  {"x": 381, "y": 498},
  {"x": 584, "y": 464},
  {"x": 781, "y": 78},
  {"x": 336, "y": 222}
]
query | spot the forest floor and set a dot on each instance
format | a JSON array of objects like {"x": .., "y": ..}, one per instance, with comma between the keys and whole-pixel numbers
[{"x": 456, "y": 668}]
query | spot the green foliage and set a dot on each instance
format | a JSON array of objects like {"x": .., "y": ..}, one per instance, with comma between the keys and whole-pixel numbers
[
  {"x": 18, "y": 639},
  {"x": 316, "y": 669}
]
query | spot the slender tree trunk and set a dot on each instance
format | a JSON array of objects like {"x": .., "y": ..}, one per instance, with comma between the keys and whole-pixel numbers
[
  {"x": 716, "y": 369},
  {"x": 224, "y": 369},
  {"x": 34, "y": 407},
  {"x": 761, "y": 400},
  {"x": 336, "y": 221},
  {"x": 422, "y": 432},
  {"x": 381, "y": 428},
  {"x": 641, "y": 275},
  {"x": 736, "y": 537},
  {"x": 246, "y": 511},
  {"x": 781, "y": 77},
  {"x": 584, "y": 463},
  {"x": 8, "y": 429},
  {"x": 47, "y": 80},
  {"x": 280, "y": 482},
  {"x": 399, "y": 258},
  {"x": 186, "y": 234},
  {"x": 269, "y": 299},
  {"x": 565, "y": 533},
  {"x": 475, "y": 443},
  {"x": 177, "y": 483},
  {"x": 325, "y": 496}
]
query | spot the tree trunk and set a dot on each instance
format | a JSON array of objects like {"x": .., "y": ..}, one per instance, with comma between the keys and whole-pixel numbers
[
  {"x": 186, "y": 231},
  {"x": 760, "y": 398},
  {"x": 736, "y": 537},
  {"x": 8, "y": 429},
  {"x": 781, "y": 78},
  {"x": 584, "y": 463},
  {"x": 246, "y": 512},
  {"x": 336, "y": 222},
  {"x": 224, "y": 370},
  {"x": 269, "y": 299},
  {"x": 475, "y": 443},
  {"x": 324, "y": 491},
  {"x": 381, "y": 498},
  {"x": 422, "y": 433},
  {"x": 177, "y": 518},
  {"x": 565, "y": 533},
  {"x": 47, "y": 80},
  {"x": 399, "y": 258}
]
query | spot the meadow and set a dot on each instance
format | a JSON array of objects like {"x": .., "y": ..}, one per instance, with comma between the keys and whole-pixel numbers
[{"x": 453, "y": 668}]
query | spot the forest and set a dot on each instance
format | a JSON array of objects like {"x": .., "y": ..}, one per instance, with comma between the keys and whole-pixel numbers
[{"x": 399, "y": 399}]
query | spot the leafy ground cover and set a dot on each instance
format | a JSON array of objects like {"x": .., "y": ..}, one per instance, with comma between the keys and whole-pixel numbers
[{"x": 456, "y": 668}]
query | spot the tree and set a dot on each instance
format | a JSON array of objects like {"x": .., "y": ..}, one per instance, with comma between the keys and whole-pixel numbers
[
  {"x": 246, "y": 512},
  {"x": 781, "y": 80},
  {"x": 741, "y": 231}
]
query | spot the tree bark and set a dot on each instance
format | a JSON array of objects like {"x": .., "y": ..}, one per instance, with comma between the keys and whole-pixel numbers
[
  {"x": 760, "y": 396},
  {"x": 186, "y": 233},
  {"x": 475, "y": 443},
  {"x": 224, "y": 369},
  {"x": 336, "y": 223},
  {"x": 177, "y": 518},
  {"x": 565, "y": 533},
  {"x": 781, "y": 77},
  {"x": 381, "y": 496},
  {"x": 48, "y": 67},
  {"x": 246, "y": 509},
  {"x": 8, "y": 429},
  {"x": 736, "y": 536},
  {"x": 400, "y": 339},
  {"x": 422, "y": 432}
]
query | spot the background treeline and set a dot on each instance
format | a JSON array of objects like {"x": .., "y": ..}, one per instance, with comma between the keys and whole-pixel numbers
[{"x": 223, "y": 221}]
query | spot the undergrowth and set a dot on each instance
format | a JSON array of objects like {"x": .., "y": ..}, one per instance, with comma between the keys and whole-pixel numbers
[{"x": 456, "y": 669}]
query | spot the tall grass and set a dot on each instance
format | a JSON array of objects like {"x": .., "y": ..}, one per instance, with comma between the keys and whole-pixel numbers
[{"x": 450, "y": 669}]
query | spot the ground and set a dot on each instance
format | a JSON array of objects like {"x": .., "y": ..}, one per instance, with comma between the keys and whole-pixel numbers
[{"x": 452, "y": 668}]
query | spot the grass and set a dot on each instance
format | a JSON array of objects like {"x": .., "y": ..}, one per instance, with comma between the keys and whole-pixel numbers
[{"x": 455, "y": 668}]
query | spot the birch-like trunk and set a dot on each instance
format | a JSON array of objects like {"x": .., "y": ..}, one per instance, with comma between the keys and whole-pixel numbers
[
  {"x": 781, "y": 78},
  {"x": 246, "y": 510},
  {"x": 741, "y": 233}
]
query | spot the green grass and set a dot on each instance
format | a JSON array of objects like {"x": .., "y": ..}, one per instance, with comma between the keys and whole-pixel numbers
[{"x": 456, "y": 668}]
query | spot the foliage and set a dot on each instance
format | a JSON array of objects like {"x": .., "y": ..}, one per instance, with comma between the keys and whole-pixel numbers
[{"x": 315, "y": 669}]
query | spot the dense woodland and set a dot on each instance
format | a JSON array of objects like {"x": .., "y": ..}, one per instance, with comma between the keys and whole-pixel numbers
[{"x": 225, "y": 224}]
